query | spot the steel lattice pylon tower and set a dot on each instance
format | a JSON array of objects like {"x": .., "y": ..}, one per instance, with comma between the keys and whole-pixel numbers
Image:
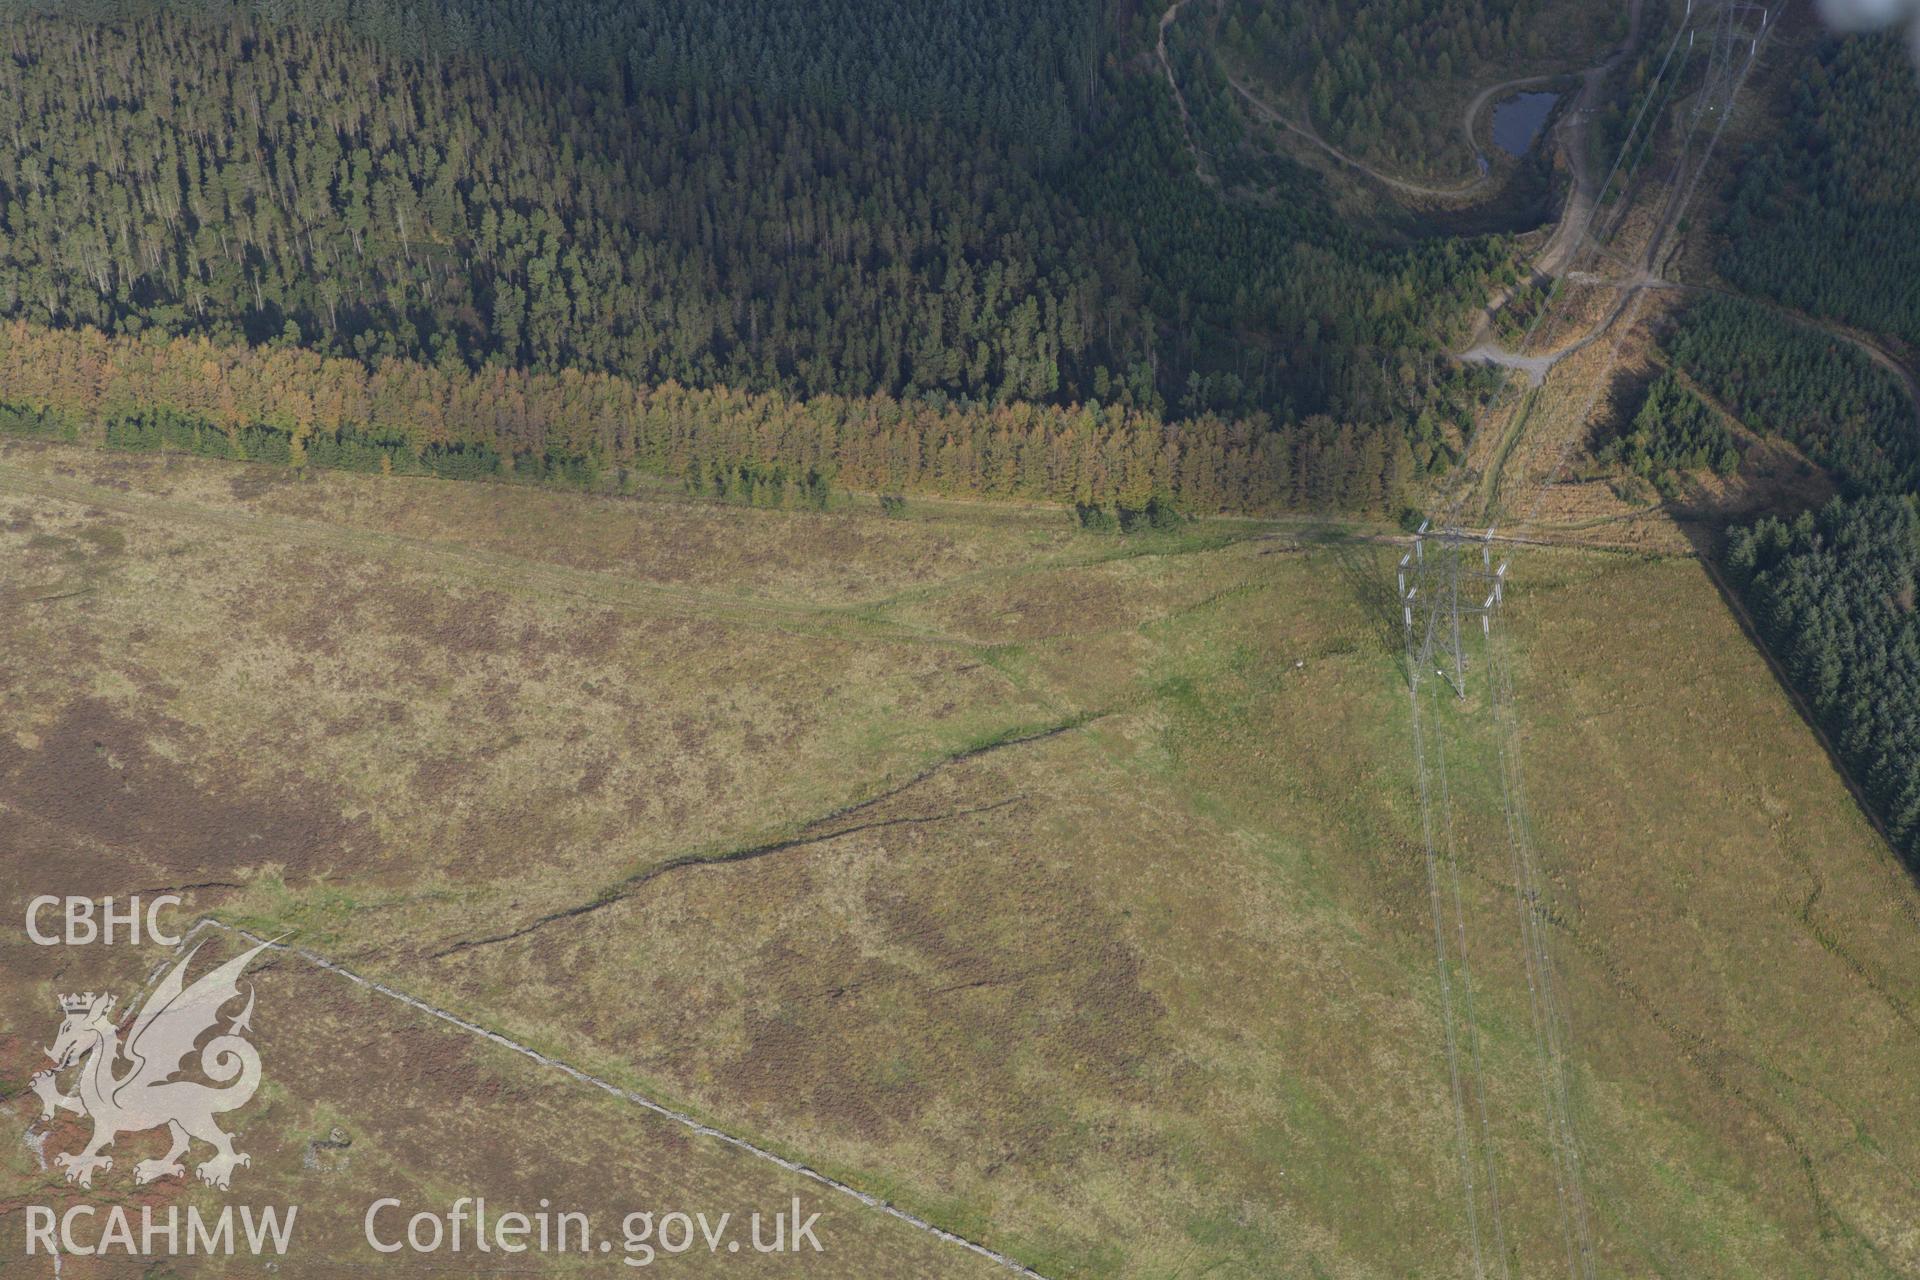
[
  {"x": 1449, "y": 575},
  {"x": 1736, "y": 39}
]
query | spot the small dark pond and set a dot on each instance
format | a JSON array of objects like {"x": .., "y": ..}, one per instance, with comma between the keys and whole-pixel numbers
[{"x": 1517, "y": 121}]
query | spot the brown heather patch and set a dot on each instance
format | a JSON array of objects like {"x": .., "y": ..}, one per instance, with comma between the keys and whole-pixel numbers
[
  {"x": 246, "y": 484},
  {"x": 96, "y": 779}
]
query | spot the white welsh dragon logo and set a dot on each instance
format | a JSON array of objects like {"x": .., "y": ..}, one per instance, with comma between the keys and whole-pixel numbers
[{"x": 146, "y": 1096}]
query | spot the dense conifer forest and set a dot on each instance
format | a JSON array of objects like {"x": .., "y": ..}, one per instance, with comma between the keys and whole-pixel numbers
[
  {"x": 1820, "y": 392},
  {"x": 1357, "y": 60},
  {"x": 451, "y": 211},
  {"x": 1022, "y": 69},
  {"x": 1833, "y": 594},
  {"x": 300, "y": 183},
  {"x": 1823, "y": 216}
]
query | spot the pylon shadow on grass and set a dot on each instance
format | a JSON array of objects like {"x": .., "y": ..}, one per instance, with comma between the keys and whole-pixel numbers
[{"x": 1369, "y": 579}]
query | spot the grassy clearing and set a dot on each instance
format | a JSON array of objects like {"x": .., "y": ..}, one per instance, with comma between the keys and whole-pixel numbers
[
  {"x": 1736, "y": 941},
  {"x": 1086, "y": 910}
]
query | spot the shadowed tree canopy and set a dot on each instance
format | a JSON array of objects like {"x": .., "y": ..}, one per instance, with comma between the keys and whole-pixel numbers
[
  {"x": 304, "y": 185},
  {"x": 1826, "y": 213}
]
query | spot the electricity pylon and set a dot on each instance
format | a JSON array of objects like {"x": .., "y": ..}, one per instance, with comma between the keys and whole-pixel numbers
[{"x": 1448, "y": 577}]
